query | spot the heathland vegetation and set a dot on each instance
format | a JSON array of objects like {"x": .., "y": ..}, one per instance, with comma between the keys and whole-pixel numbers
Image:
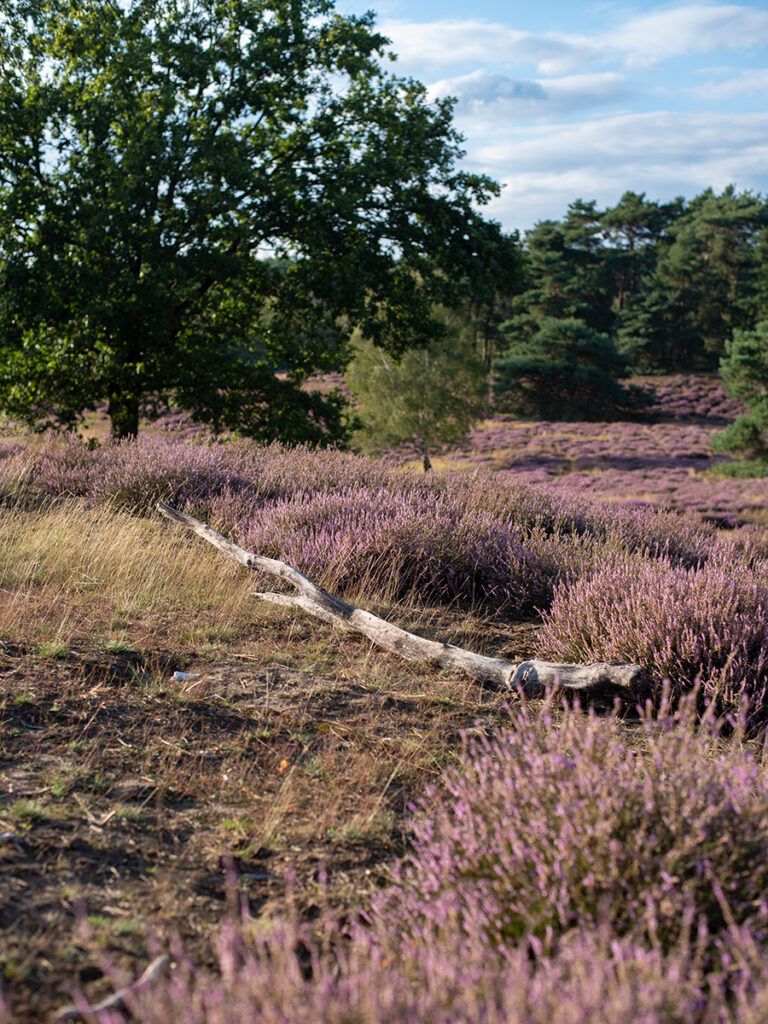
[
  {"x": 367, "y": 841},
  {"x": 206, "y": 206}
]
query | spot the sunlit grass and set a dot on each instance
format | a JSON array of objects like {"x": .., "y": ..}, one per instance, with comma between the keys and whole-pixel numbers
[{"x": 68, "y": 571}]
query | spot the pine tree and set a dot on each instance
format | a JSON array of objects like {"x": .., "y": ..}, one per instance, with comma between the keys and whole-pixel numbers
[
  {"x": 707, "y": 283},
  {"x": 566, "y": 370},
  {"x": 744, "y": 370}
]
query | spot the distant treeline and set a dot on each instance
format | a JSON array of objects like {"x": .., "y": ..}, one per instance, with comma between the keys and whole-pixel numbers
[{"x": 667, "y": 282}]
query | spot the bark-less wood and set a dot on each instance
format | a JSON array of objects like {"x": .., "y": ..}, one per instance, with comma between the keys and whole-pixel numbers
[
  {"x": 155, "y": 970},
  {"x": 532, "y": 677}
]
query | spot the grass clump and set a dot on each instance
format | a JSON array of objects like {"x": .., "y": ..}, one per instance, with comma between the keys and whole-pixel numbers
[{"x": 69, "y": 572}]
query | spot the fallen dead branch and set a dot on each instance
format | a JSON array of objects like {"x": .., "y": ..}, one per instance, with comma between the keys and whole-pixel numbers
[
  {"x": 532, "y": 677},
  {"x": 150, "y": 975}
]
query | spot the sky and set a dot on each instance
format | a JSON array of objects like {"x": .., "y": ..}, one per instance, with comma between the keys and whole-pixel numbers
[{"x": 573, "y": 100}]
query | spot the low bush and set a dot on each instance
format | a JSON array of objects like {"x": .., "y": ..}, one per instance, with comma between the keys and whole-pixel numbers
[
  {"x": 705, "y": 625},
  {"x": 134, "y": 474},
  {"x": 661, "y": 834},
  {"x": 418, "y": 543}
]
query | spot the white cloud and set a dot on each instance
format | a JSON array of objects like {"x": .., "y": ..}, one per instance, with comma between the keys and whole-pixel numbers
[
  {"x": 630, "y": 139},
  {"x": 753, "y": 80},
  {"x": 452, "y": 42},
  {"x": 519, "y": 94},
  {"x": 484, "y": 87},
  {"x": 692, "y": 28},
  {"x": 639, "y": 42},
  {"x": 575, "y": 91},
  {"x": 488, "y": 97},
  {"x": 661, "y": 153}
]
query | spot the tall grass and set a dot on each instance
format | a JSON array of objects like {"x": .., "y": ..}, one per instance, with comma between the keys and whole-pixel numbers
[{"x": 68, "y": 571}]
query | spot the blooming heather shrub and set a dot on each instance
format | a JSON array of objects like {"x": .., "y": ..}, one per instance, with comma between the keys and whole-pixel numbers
[
  {"x": 567, "y": 870},
  {"x": 681, "y": 539},
  {"x": 553, "y": 826},
  {"x": 545, "y": 512},
  {"x": 413, "y": 541},
  {"x": 135, "y": 473},
  {"x": 591, "y": 979},
  {"x": 524, "y": 506},
  {"x": 661, "y": 464},
  {"x": 707, "y": 624},
  {"x": 563, "y": 556},
  {"x": 9, "y": 449},
  {"x": 457, "y": 536},
  {"x": 608, "y": 532}
]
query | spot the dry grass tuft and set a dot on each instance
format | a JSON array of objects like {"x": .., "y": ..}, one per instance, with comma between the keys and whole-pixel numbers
[{"x": 68, "y": 571}]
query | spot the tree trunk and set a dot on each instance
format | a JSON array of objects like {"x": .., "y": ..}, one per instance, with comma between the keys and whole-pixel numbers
[
  {"x": 531, "y": 677},
  {"x": 424, "y": 456},
  {"x": 123, "y": 411}
]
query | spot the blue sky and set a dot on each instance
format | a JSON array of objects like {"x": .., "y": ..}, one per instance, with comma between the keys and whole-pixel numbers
[{"x": 560, "y": 100}]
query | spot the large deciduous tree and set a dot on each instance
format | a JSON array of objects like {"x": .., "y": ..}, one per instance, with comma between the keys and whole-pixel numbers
[{"x": 198, "y": 194}]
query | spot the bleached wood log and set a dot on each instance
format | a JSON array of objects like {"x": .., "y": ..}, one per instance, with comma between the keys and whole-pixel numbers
[
  {"x": 117, "y": 999},
  {"x": 532, "y": 677}
]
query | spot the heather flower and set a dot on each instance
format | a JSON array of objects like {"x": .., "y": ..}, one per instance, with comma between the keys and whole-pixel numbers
[
  {"x": 592, "y": 978},
  {"x": 135, "y": 473},
  {"x": 660, "y": 834},
  {"x": 417, "y": 542},
  {"x": 568, "y": 869},
  {"x": 707, "y": 624},
  {"x": 361, "y": 526}
]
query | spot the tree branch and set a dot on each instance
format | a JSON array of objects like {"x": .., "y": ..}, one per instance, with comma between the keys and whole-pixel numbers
[
  {"x": 117, "y": 999},
  {"x": 532, "y": 677}
]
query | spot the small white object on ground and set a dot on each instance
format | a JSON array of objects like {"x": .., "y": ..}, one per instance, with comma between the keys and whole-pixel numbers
[{"x": 181, "y": 677}]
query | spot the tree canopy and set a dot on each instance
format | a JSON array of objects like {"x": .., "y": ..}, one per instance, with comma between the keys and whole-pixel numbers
[
  {"x": 565, "y": 371},
  {"x": 431, "y": 396},
  {"x": 197, "y": 194},
  {"x": 744, "y": 370},
  {"x": 669, "y": 282}
]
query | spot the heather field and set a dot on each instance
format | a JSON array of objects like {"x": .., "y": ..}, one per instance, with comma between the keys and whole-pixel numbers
[
  {"x": 663, "y": 460},
  {"x": 280, "y": 823}
]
